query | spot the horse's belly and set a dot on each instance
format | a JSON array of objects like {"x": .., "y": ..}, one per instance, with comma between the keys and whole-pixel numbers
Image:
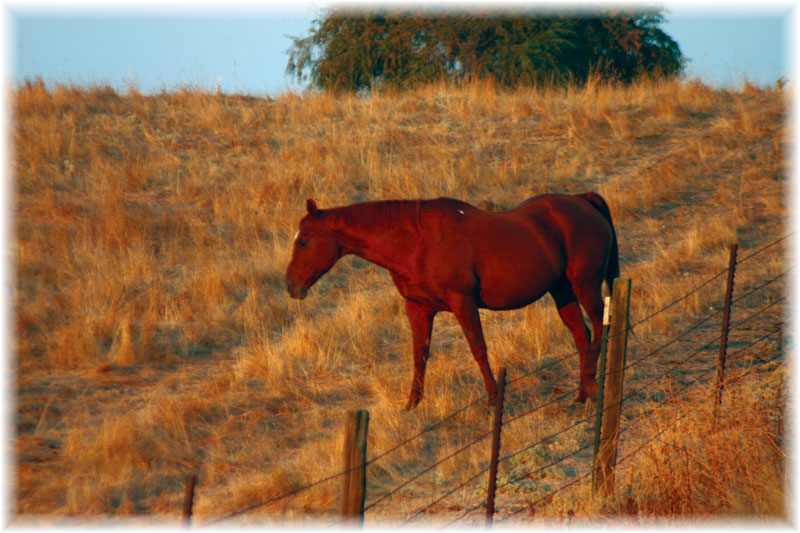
[
  {"x": 517, "y": 261},
  {"x": 512, "y": 293}
]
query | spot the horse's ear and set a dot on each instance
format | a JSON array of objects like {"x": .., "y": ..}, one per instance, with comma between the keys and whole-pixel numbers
[{"x": 311, "y": 207}]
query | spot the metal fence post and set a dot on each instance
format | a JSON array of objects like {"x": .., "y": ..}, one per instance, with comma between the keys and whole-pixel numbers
[
  {"x": 496, "y": 427},
  {"x": 723, "y": 343}
]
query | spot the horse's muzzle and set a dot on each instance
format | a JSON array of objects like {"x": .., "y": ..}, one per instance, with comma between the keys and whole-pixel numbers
[{"x": 297, "y": 291}]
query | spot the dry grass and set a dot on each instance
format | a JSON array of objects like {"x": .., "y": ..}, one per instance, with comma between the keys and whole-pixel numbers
[{"x": 152, "y": 336}]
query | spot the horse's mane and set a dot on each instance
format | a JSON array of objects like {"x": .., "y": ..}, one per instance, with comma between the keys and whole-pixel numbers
[{"x": 367, "y": 215}]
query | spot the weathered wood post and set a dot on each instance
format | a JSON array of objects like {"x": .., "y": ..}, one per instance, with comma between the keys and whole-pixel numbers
[
  {"x": 354, "y": 487},
  {"x": 496, "y": 427},
  {"x": 601, "y": 381},
  {"x": 188, "y": 499},
  {"x": 612, "y": 398},
  {"x": 723, "y": 343}
]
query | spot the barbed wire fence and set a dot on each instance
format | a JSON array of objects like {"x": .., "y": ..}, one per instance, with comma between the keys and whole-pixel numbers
[{"x": 687, "y": 364}]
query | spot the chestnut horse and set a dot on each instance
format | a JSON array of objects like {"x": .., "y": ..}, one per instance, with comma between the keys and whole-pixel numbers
[{"x": 446, "y": 255}]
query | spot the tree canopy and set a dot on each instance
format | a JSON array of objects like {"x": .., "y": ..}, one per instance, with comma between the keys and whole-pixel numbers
[{"x": 357, "y": 50}]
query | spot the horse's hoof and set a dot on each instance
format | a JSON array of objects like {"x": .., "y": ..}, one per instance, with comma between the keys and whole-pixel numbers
[
  {"x": 587, "y": 391},
  {"x": 411, "y": 404}
]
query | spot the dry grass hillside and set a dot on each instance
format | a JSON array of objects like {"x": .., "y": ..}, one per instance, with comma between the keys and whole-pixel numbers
[{"x": 153, "y": 337}]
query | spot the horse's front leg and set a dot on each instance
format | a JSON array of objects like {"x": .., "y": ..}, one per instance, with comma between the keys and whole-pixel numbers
[
  {"x": 421, "y": 318},
  {"x": 466, "y": 311}
]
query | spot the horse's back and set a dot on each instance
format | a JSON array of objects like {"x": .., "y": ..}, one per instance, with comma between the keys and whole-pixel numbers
[
  {"x": 572, "y": 212},
  {"x": 542, "y": 218},
  {"x": 514, "y": 259}
]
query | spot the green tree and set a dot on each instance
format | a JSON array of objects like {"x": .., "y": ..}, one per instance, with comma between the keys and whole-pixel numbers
[{"x": 354, "y": 51}]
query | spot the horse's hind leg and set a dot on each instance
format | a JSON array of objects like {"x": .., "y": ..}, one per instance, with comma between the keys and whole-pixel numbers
[
  {"x": 590, "y": 297},
  {"x": 570, "y": 313}
]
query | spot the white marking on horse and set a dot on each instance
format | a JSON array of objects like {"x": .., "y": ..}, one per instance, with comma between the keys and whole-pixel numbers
[
  {"x": 460, "y": 211},
  {"x": 295, "y": 236}
]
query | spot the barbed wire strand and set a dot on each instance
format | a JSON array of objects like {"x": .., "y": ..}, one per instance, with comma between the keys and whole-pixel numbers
[
  {"x": 743, "y": 296},
  {"x": 701, "y": 322},
  {"x": 748, "y": 371},
  {"x": 629, "y": 365},
  {"x": 711, "y": 279},
  {"x": 695, "y": 383},
  {"x": 448, "y": 493},
  {"x": 682, "y": 298},
  {"x": 469, "y": 512},
  {"x": 770, "y": 245},
  {"x": 540, "y": 441},
  {"x": 551, "y": 401},
  {"x": 546, "y": 496},
  {"x": 696, "y": 351},
  {"x": 758, "y": 312},
  {"x": 696, "y": 407},
  {"x": 543, "y": 439},
  {"x": 428, "y": 469},
  {"x": 631, "y": 326},
  {"x": 280, "y": 497},
  {"x": 428, "y": 429},
  {"x": 673, "y": 340}
]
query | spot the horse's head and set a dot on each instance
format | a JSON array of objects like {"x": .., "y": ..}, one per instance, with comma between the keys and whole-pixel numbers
[{"x": 315, "y": 252}]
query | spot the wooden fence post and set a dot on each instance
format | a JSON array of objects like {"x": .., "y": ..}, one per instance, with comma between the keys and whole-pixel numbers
[
  {"x": 723, "y": 343},
  {"x": 496, "y": 426},
  {"x": 601, "y": 381},
  {"x": 355, "y": 458},
  {"x": 188, "y": 499},
  {"x": 612, "y": 399}
]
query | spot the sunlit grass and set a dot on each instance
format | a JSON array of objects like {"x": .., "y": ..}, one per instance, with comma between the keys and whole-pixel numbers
[{"x": 152, "y": 336}]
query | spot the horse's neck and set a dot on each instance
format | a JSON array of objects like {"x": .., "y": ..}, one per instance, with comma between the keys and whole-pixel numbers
[{"x": 385, "y": 241}]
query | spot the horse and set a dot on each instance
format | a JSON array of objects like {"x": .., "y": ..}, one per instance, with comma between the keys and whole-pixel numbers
[{"x": 447, "y": 255}]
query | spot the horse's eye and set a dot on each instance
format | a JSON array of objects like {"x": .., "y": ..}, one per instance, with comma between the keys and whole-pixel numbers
[{"x": 302, "y": 243}]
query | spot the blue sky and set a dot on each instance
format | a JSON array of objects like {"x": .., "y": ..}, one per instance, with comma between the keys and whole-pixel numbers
[{"x": 242, "y": 48}]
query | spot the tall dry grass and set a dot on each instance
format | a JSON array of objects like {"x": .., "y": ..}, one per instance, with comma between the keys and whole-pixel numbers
[{"x": 152, "y": 336}]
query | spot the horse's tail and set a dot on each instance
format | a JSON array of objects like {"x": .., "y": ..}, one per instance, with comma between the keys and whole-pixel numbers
[{"x": 612, "y": 262}]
